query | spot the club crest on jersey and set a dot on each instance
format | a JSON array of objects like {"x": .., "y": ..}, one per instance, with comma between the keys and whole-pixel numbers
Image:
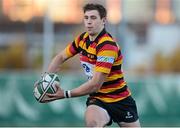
[
  {"x": 90, "y": 56},
  {"x": 105, "y": 59}
]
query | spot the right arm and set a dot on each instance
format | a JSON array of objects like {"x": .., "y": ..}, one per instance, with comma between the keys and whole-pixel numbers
[
  {"x": 61, "y": 57},
  {"x": 57, "y": 61}
]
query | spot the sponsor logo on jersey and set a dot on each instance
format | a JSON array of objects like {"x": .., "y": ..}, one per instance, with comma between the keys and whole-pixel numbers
[
  {"x": 88, "y": 69},
  {"x": 105, "y": 59}
]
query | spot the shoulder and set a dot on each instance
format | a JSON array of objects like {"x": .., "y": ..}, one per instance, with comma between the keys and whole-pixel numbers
[
  {"x": 106, "y": 41},
  {"x": 106, "y": 38},
  {"x": 82, "y": 36}
]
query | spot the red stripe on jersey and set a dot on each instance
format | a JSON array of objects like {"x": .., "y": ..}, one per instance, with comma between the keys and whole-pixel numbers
[
  {"x": 115, "y": 72},
  {"x": 119, "y": 58},
  {"x": 86, "y": 59},
  {"x": 108, "y": 47},
  {"x": 103, "y": 64},
  {"x": 78, "y": 40},
  {"x": 105, "y": 35},
  {"x": 72, "y": 50},
  {"x": 120, "y": 95},
  {"x": 114, "y": 85},
  {"x": 93, "y": 45}
]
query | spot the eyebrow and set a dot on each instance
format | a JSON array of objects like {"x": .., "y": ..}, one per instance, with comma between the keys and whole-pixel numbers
[{"x": 90, "y": 16}]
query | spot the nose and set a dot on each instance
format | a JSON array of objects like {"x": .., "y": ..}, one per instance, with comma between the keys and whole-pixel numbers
[{"x": 89, "y": 21}]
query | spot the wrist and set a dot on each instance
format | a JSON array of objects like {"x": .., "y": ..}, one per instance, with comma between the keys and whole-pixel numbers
[{"x": 67, "y": 94}]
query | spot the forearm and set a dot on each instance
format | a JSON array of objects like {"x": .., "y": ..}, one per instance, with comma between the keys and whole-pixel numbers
[
  {"x": 56, "y": 63},
  {"x": 90, "y": 86},
  {"x": 85, "y": 89}
]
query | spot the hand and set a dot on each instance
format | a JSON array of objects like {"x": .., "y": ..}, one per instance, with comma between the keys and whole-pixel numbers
[
  {"x": 55, "y": 96},
  {"x": 36, "y": 84}
]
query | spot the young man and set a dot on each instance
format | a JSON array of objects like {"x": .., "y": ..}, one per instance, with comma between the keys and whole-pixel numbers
[{"x": 109, "y": 97}]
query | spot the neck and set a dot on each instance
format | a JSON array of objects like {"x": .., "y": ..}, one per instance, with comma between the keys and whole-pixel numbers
[{"x": 93, "y": 37}]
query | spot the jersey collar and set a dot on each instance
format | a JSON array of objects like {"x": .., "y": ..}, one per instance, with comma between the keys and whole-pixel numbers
[
  {"x": 88, "y": 42},
  {"x": 98, "y": 37}
]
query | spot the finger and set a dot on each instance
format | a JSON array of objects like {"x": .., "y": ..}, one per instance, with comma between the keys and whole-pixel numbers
[
  {"x": 48, "y": 100},
  {"x": 43, "y": 101},
  {"x": 51, "y": 95}
]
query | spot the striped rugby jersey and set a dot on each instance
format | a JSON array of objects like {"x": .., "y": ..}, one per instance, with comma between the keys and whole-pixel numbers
[{"x": 101, "y": 55}]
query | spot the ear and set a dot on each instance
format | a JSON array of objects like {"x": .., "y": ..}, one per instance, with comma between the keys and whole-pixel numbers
[{"x": 104, "y": 20}]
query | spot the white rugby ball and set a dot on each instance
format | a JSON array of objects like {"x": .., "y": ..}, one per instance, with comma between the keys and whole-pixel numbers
[{"x": 46, "y": 84}]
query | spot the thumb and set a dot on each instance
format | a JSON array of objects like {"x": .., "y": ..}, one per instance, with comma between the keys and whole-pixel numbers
[{"x": 57, "y": 86}]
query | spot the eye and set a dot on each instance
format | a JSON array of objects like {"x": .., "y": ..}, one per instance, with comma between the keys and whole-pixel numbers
[
  {"x": 86, "y": 17},
  {"x": 93, "y": 17}
]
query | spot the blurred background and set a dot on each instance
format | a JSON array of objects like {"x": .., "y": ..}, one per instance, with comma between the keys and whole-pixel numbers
[{"x": 33, "y": 31}]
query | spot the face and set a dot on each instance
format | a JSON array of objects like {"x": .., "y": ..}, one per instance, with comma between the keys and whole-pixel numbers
[{"x": 93, "y": 22}]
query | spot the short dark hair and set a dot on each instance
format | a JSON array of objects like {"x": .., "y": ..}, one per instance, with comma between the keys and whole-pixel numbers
[{"x": 100, "y": 8}]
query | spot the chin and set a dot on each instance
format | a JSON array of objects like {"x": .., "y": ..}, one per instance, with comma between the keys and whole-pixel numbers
[{"x": 91, "y": 33}]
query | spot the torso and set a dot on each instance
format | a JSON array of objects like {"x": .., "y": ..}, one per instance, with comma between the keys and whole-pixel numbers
[{"x": 114, "y": 88}]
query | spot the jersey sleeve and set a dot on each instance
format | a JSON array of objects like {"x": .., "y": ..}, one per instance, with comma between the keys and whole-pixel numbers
[
  {"x": 107, "y": 53},
  {"x": 72, "y": 48}
]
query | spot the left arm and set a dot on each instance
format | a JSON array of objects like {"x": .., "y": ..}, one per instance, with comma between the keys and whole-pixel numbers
[{"x": 88, "y": 87}]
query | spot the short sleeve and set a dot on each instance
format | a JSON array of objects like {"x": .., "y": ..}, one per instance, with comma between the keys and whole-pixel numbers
[
  {"x": 73, "y": 48},
  {"x": 107, "y": 53}
]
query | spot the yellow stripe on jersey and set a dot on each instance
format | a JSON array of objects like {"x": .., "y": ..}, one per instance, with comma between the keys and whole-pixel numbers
[
  {"x": 118, "y": 62},
  {"x": 106, "y": 38},
  {"x": 86, "y": 35},
  {"x": 82, "y": 44},
  {"x": 68, "y": 53},
  {"x": 102, "y": 69},
  {"x": 107, "y": 90},
  {"x": 113, "y": 77},
  {"x": 108, "y": 53},
  {"x": 76, "y": 42},
  {"x": 92, "y": 50}
]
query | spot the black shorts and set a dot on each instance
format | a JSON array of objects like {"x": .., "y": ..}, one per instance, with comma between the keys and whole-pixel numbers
[{"x": 121, "y": 111}]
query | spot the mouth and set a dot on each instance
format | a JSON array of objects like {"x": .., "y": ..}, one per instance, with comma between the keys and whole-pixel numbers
[{"x": 89, "y": 27}]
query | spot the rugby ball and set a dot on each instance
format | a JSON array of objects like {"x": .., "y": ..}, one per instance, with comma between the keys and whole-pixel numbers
[{"x": 46, "y": 84}]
